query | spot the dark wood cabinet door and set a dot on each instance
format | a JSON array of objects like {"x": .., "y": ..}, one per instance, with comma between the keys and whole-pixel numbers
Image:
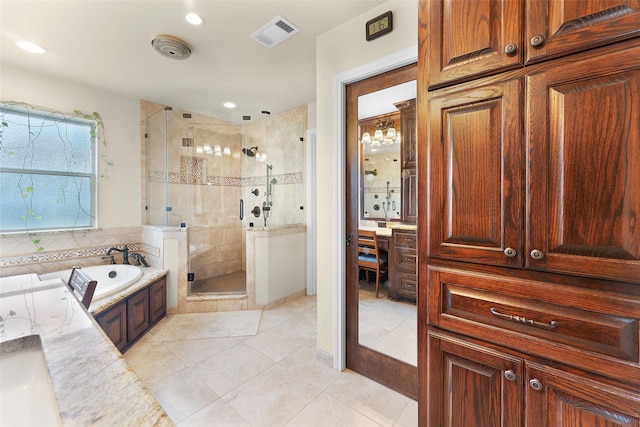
[
  {"x": 470, "y": 385},
  {"x": 556, "y": 398},
  {"x": 114, "y": 324},
  {"x": 467, "y": 39},
  {"x": 583, "y": 181},
  {"x": 561, "y": 27},
  {"x": 138, "y": 314},
  {"x": 476, "y": 173},
  {"x": 157, "y": 300}
]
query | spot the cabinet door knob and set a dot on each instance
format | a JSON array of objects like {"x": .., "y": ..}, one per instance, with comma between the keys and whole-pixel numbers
[
  {"x": 510, "y": 375},
  {"x": 510, "y": 49},
  {"x": 537, "y": 41},
  {"x": 535, "y": 384},
  {"x": 510, "y": 252},
  {"x": 536, "y": 254}
]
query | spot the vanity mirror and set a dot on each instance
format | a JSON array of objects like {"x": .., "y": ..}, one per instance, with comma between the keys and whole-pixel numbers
[{"x": 386, "y": 132}]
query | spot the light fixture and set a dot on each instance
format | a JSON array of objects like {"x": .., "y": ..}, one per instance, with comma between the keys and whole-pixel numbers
[
  {"x": 217, "y": 150},
  {"x": 199, "y": 150},
  {"x": 194, "y": 19},
  {"x": 207, "y": 149},
  {"x": 226, "y": 151},
  {"x": 366, "y": 138},
  {"x": 228, "y": 104},
  {"x": 375, "y": 143},
  {"x": 387, "y": 141},
  {"x": 378, "y": 136},
  {"x": 30, "y": 47},
  {"x": 391, "y": 133}
]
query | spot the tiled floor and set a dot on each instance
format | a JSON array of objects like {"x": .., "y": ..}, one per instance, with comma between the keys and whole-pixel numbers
[
  {"x": 268, "y": 379},
  {"x": 389, "y": 327},
  {"x": 232, "y": 283}
]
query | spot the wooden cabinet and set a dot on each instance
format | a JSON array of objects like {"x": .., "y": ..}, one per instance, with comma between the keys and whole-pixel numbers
[
  {"x": 470, "y": 39},
  {"x": 530, "y": 244},
  {"x": 477, "y": 385},
  {"x": 114, "y": 324},
  {"x": 157, "y": 301},
  {"x": 125, "y": 322},
  {"x": 409, "y": 161},
  {"x": 559, "y": 194},
  {"x": 403, "y": 265}
]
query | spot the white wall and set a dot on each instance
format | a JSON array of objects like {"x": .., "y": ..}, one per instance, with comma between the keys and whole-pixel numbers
[
  {"x": 338, "y": 51},
  {"x": 119, "y": 203}
]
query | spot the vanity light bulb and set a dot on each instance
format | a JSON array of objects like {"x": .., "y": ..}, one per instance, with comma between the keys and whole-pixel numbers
[
  {"x": 199, "y": 150},
  {"x": 226, "y": 151},
  {"x": 378, "y": 136},
  {"x": 366, "y": 138}
]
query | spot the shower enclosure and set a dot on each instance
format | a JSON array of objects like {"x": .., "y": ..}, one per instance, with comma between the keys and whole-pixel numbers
[{"x": 209, "y": 176}]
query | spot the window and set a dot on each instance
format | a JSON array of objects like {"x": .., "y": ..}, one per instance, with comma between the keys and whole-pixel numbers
[{"x": 47, "y": 171}]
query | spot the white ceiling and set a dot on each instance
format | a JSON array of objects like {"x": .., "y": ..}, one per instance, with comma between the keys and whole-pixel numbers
[{"x": 108, "y": 44}]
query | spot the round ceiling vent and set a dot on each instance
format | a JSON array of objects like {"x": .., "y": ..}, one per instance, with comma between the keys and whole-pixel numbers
[{"x": 171, "y": 47}]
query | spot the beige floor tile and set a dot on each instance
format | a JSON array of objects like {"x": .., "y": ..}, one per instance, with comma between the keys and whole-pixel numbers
[
  {"x": 181, "y": 394},
  {"x": 216, "y": 414},
  {"x": 286, "y": 339},
  {"x": 377, "y": 402},
  {"x": 327, "y": 411},
  {"x": 230, "y": 368},
  {"x": 401, "y": 343},
  {"x": 409, "y": 417},
  {"x": 272, "y": 398},
  {"x": 304, "y": 364},
  {"x": 191, "y": 352},
  {"x": 152, "y": 362}
]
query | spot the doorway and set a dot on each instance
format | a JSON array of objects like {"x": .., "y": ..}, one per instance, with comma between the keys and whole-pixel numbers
[{"x": 392, "y": 370}]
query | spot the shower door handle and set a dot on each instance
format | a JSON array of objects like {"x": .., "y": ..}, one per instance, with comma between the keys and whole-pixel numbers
[{"x": 241, "y": 209}]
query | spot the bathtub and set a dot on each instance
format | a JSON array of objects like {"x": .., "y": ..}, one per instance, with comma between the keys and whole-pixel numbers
[{"x": 112, "y": 278}]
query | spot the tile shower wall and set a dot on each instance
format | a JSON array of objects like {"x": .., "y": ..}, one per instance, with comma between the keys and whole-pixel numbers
[{"x": 281, "y": 137}]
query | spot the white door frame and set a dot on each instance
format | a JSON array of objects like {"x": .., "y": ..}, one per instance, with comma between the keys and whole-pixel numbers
[
  {"x": 311, "y": 179},
  {"x": 387, "y": 63}
]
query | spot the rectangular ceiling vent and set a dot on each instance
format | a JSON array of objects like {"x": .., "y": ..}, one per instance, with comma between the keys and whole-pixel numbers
[{"x": 275, "y": 32}]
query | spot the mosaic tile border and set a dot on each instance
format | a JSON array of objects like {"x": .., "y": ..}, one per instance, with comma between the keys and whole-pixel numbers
[
  {"x": 381, "y": 189},
  {"x": 72, "y": 254},
  {"x": 197, "y": 179}
]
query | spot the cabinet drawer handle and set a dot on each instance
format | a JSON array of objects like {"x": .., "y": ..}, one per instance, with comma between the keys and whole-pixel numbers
[
  {"x": 551, "y": 325},
  {"x": 535, "y": 384},
  {"x": 510, "y": 49},
  {"x": 510, "y": 252},
  {"x": 510, "y": 375}
]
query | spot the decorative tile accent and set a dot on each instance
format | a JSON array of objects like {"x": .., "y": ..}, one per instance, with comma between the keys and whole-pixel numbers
[
  {"x": 197, "y": 178},
  {"x": 381, "y": 189},
  {"x": 192, "y": 170}
]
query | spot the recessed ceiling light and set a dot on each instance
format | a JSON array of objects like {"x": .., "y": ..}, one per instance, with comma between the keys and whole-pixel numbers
[
  {"x": 30, "y": 47},
  {"x": 194, "y": 19},
  {"x": 229, "y": 104}
]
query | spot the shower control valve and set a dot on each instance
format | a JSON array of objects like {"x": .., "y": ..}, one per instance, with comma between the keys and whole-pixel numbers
[{"x": 256, "y": 211}]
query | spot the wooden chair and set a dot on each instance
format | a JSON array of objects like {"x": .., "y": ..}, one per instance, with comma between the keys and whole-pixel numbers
[
  {"x": 370, "y": 258},
  {"x": 84, "y": 285}
]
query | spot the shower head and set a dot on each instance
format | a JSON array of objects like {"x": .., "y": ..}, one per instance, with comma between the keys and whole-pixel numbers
[{"x": 249, "y": 151}]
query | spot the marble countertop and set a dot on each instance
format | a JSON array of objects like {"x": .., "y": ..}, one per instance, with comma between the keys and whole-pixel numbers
[{"x": 92, "y": 382}]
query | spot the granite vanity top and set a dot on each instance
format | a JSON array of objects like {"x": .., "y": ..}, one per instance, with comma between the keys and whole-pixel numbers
[{"x": 92, "y": 382}]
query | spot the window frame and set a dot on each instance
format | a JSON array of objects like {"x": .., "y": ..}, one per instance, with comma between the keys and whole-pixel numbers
[{"x": 50, "y": 116}]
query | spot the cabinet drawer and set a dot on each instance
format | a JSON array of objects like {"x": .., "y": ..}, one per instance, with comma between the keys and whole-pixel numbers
[
  {"x": 591, "y": 320},
  {"x": 404, "y": 238},
  {"x": 406, "y": 260},
  {"x": 405, "y": 284}
]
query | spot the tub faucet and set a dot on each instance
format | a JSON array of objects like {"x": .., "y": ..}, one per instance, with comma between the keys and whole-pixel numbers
[
  {"x": 124, "y": 250},
  {"x": 139, "y": 259}
]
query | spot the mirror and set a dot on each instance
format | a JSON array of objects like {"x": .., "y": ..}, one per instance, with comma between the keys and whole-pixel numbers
[
  {"x": 387, "y": 326},
  {"x": 381, "y": 158}
]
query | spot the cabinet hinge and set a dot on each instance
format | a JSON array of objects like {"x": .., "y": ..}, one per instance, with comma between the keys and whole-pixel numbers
[{"x": 349, "y": 239}]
